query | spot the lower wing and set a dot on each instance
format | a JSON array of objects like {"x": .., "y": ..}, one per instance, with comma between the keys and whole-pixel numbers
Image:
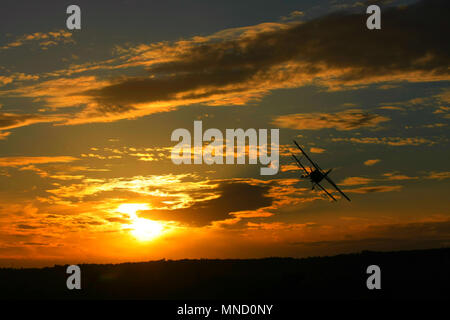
[
  {"x": 336, "y": 187},
  {"x": 329, "y": 194}
]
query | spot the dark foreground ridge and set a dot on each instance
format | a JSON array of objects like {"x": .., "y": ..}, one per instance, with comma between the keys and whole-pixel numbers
[{"x": 404, "y": 275}]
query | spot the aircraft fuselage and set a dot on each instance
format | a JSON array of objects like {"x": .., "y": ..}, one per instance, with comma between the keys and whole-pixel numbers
[{"x": 316, "y": 176}]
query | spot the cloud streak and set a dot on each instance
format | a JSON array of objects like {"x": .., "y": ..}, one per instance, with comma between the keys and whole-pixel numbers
[
  {"x": 345, "y": 120},
  {"x": 375, "y": 189},
  {"x": 23, "y": 161},
  {"x": 44, "y": 39},
  {"x": 391, "y": 141}
]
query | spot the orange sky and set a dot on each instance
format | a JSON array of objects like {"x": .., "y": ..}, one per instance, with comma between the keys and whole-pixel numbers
[{"x": 86, "y": 118}]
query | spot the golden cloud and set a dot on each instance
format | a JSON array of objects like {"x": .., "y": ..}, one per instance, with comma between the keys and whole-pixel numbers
[
  {"x": 353, "y": 181},
  {"x": 22, "y": 161},
  {"x": 439, "y": 175},
  {"x": 371, "y": 162},
  {"x": 375, "y": 189},
  {"x": 345, "y": 120},
  {"x": 391, "y": 141},
  {"x": 44, "y": 39}
]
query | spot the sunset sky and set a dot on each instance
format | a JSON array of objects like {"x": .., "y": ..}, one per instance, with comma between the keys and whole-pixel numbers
[{"x": 86, "y": 118}]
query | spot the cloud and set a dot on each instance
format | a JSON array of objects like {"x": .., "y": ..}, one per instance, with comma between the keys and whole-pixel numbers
[
  {"x": 435, "y": 125},
  {"x": 371, "y": 162},
  {"x": 163, "y": 191},
  {"x": 289, "y": 167},
  {"x": 444, "y": 96},
  {"x": 392, "y": 236},
  {"x": 233, "y": 67},
  {"x": 359, "y": 55},
  {"x": 293, "y": 15},
  {"x": 186, "y": 199},
  {"x": 392, "y": 108},
  {"x": 17, "y": 76},
  {"x": 25, "y": 226},
  {"x": 234, "y": 197},
  {"x": 438, "y": 175},
  {"x": 3, "y": 135},
  {"x": 393, "y": 176},
  {"x": 353, "y": 181},
  {"x": 59, "y": 93},
  {"x": 365, "y": 190},
  {"x": 10, "y": 121},
  {"x": 44, "y": 39},
  {"x": 316, "y": 150},
  {"x": 67, "y": 177},
  {"x": 345, "y": 120},
  {"x": 22, "y": 161},
  {"x": 391, "y": 141}
]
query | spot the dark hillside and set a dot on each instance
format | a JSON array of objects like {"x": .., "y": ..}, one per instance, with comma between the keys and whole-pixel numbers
[{"x": 404, "y": 275}]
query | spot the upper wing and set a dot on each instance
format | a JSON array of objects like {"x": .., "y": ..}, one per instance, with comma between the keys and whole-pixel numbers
[
  {"x": 329, "y": 194},
  {"x": 300, "y": 164},
  {"x": 307, "y": 157},
  {"x": 336, "y": 187}
]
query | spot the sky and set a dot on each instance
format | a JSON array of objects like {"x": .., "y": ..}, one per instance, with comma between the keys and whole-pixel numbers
[{"x": 86, "y": 118}]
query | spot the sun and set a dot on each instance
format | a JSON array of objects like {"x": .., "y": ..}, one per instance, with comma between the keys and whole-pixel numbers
[
  {"x": 145, "y": 230},
  {"x": 142, "y": 229}
]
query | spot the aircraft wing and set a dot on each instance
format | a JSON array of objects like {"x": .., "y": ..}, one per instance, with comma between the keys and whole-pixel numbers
[
  {"x": 300, "y": 165},
  {"x": 329, "y": 194},
  {"x": 307, "y": 157},
  {"x": 336, "y": 187}
]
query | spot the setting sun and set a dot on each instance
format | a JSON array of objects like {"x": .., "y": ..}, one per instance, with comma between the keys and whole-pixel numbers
[
  {"x": 144, "y": 229},
  {"x": 141, "y": 228}
]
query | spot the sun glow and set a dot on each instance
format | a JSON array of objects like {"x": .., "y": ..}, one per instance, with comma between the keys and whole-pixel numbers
[{"x": 141, "y": 228}]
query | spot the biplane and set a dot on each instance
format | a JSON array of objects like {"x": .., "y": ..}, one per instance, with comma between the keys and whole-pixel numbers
[{"x": 317, "y": 175}]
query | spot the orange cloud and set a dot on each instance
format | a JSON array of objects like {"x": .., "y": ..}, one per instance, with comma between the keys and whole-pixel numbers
[
  {"x": 10, "y": 121},
  {"x": 439, "y": 175},
  {"x": 395, "y": 177},
  {"x": 353, "y": 181},
  {"x": 3, "y": 135},
  {"x": 365, "y": 190},
  {"x": 289, "y": 167},
  {"x": 391, "y": 141},
  {"x": 371, "y": 162},
  {"x": 316, "y": 150},
  {"x": 345, "y": 120},
  {"x": 43, "y": 39},
  {"x": 17, "y": 76},
  {"x": 22, "y": 161}
]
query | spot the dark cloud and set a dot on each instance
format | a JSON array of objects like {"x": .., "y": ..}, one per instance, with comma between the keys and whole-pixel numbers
[
  {"x": 417, "y": 229},
  {"x": 118, "y": 220},
  {"x": 14, "y": 120},
  {"x": 234, "y": 196},
  {"x": 337, "y": 48},
  {"x": 25, "y": 226},
  {"x": 114, "y": 108},
  {"x": 345, "y": 120},
  {"x": 165, "y": 87},
  {"x": 365, "y": 190},
  {"x": 418, "y": 235}
]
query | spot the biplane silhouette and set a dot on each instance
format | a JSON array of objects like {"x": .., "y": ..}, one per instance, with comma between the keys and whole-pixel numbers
[{"x": 317, "y": 175}]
